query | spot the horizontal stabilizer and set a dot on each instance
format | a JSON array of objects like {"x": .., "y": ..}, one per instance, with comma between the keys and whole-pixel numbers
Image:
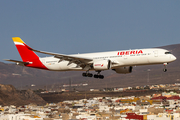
[{"x": 17, "y": 62}]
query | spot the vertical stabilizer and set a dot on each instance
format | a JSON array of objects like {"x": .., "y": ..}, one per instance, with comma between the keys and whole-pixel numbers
[{"x": 27, "y": 54}]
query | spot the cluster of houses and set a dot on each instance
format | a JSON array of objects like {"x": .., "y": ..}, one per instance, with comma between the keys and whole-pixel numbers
[
  {"x": 66, "y": 87},
  {"x": 165, "y": 106},
  {"x": 167, "y": 87}
]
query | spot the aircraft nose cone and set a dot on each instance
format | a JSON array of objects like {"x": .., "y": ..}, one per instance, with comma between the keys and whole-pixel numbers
[{"x": 173, "y": 58}]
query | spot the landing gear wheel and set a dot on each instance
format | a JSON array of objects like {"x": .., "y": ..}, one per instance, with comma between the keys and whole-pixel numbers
[
  {"x": 164, "y": 69},
  {"x": 84, "y": 74},
  {"x": 87, "y": 74},
  {"x": 96, "y": 76},
  {"x": 101, "y": 76}
]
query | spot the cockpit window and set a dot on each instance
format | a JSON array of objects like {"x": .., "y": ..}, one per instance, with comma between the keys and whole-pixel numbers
[{"x": 167, "y": 52}]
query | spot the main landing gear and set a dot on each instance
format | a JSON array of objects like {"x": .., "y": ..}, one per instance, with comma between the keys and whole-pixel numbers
[
  {"x": 98, "y": 75},
  {"x": 165, "y": 65},
  {"x": 87, "y": 74}
]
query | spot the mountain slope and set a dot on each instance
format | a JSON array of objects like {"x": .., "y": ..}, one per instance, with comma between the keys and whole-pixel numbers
[{"x": 10, "y": 96}]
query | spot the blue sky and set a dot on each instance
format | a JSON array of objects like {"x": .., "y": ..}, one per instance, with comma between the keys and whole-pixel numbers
[{"x": 83, "y": 26}]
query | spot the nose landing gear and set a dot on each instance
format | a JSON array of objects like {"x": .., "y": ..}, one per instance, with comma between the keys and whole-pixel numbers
[
  {"x": 164, "y": 69},
  {"x": 165, "y": 65}
]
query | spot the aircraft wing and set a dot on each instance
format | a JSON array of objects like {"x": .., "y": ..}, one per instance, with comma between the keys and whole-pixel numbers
[{"x": 72, "y": 59}]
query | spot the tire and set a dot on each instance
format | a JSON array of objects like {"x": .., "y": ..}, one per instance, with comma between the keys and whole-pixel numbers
[
  {"x": 84, "y": 74},
  {"x": 165, "y": 70},
  {"x": 96, "y": 76},
  {"x": 101, "y": 76}
]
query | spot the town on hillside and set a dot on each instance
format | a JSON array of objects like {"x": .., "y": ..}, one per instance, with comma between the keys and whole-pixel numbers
[{"x": 164, "y": 105}]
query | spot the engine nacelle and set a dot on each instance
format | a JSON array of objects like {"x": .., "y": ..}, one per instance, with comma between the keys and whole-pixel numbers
[
  {"x": 123, "y": 70},
  {"x": 102, "y": 65}
]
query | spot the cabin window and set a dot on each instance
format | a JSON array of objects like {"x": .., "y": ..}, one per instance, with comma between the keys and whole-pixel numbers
[{"x": 167, "y": 52}]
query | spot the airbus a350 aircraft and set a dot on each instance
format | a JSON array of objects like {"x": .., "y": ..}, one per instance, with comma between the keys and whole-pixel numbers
[{"x": 119, "y": 61}]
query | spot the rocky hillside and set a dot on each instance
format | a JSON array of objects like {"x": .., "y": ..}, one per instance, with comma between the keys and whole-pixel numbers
[
  {"x": 23, "y": 77},
  {"x": 10, "y": 96}
]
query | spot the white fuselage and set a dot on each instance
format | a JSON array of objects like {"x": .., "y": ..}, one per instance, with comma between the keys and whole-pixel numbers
[{"x": 119, "y": 58}]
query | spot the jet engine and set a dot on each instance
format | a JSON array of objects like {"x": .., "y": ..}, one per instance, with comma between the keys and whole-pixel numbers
[
  {"x": 123, "y": 70},
  {"x": 102, "y": 65}
]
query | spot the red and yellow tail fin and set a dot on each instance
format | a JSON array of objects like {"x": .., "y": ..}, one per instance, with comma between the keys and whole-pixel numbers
[
  {"x": 25, "y": 51},
  {"x": 27, "y": 54}
]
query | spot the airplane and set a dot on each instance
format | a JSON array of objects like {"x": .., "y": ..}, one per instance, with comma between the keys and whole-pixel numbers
[{"x": 121, "y": 62}]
